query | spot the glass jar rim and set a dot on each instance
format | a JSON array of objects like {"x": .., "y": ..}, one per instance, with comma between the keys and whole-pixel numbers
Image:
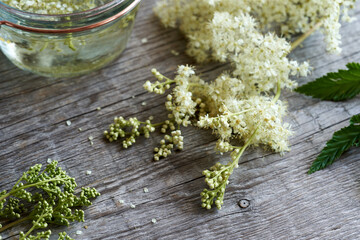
[{"x": 56, "y": 23}]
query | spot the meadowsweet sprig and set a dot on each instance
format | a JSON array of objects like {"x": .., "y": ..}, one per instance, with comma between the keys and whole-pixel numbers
[
  {"x": 54, "y": 204},
  {"x": 217, "y": 178},
  {"x": 50, "y": 180},
  {"x": 230, "y": 114},
  {"x": 243, "y": 103},
  {"x": 245, "y": 100},
  {"x": 180, "y": 103}
]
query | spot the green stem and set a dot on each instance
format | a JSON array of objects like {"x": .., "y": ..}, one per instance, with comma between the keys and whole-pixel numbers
[
  {"x": 243, "y": 148},
  {"x": 305, "y": 36},
  {"x": 195, "y": 85},
  {"x": 17, "y": 183},
  {"x": 44, "y": 46},
  {"x": 168, "y": 81},
  {"x": 5, "y": 196},
  {"x": 33, "y": 226},
  {"x": 294, "y": 45},
  {"x": 14, "y": 223},
  {"x": 234, "y": 163},
  {"x": 233, "y": 114},
  {"x": 278, "y": 92},
  {"x": 28, "y": 186},
  {"x": 155, "y": 124}
]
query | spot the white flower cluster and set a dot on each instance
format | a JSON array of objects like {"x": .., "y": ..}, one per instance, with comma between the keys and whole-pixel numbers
[
  {"x": 242, "y": 104},
  {"x": 260, "y": 61},
  {"x": 300, "y": 16},
  {"x": 180, "y": 103},
  {"x": 236, "y": 104},
  {"x": 293, "y": 16},
  {"x": 242, "y": 117},
  {"x": 227, "y": 110}
]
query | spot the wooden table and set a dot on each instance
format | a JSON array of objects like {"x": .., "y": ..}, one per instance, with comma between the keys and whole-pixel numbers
[{"x": 285, "y": 202}]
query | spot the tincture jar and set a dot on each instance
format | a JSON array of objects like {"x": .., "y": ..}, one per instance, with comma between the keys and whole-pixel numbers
[{"x": 66, "y": 45}]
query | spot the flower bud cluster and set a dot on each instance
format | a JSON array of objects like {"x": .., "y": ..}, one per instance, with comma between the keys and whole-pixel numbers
[
  {"x": 86, "y": 194},
  {"x": 53, "y": 204},
  {"x": 160, "y": 86},
  {"x": 223, "y": 146},
  {"x": 12, "y": 209},
  {"x": 168, "y": 144},
  {"x": 43, "y": 213},
  {"x": 217, "y": 179},
  {"x": 22, "y": 193},
  {"x": 64, "y": 236},
  {"x": 177, "y": 139},
  {"x": 131, "y": 129},
  {"x": 167, "y": 125}
]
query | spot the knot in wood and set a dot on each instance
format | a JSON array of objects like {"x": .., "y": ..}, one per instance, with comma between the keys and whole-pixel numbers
[{"x": 244, "y": 203}]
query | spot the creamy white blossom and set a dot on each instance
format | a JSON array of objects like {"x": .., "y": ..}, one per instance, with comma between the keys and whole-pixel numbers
[
  {"x": 243, "y": 117},
  {"x": 293, "y": 16}
]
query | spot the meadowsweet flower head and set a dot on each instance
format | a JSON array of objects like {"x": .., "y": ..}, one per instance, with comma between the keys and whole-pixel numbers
[
  {"x": 292, "y": 17},
  {"x": 241, "y": 106}
]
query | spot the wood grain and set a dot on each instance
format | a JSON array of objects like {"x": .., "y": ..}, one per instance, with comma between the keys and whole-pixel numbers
[{"x": 285, "y": 202}]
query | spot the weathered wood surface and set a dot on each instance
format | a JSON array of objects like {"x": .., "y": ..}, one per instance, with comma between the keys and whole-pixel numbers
[{"x": 285, "y": 202}]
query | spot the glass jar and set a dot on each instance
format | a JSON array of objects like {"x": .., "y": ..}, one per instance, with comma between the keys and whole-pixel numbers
[{"x": 70, "y": 44}]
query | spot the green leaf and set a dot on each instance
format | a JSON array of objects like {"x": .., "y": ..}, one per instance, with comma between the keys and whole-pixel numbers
[
  {"x": 341, "y": 141},
  {"x": 355, "y": 119},
  {"x": 343, "y": 85}
]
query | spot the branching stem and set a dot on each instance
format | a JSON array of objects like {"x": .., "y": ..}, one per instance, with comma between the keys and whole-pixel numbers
[
  {"x": 305, "y": 36},
  {"x": 30, "y": 185},
  {"x": 14, "y": 223},
  {"x": 243, "y": 148},
  {"x": 35, "y": 224},
  {"x": 278, "y": 92}
]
